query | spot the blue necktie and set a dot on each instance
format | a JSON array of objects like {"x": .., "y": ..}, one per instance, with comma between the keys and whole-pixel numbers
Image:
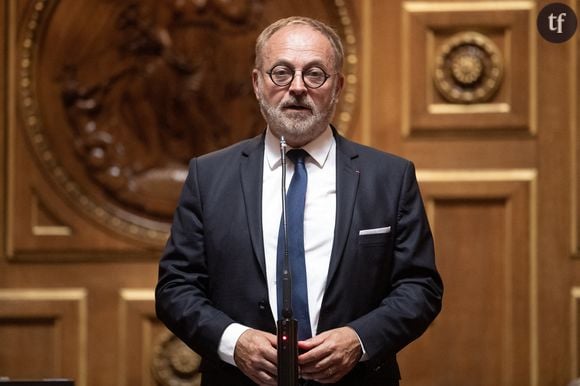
[{"x": 295, "y": 199}]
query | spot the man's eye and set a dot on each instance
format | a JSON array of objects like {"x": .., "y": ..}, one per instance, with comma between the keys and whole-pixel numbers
[
  {"x": 281, "y": 72},
  {"x": 315, "y": 73}
]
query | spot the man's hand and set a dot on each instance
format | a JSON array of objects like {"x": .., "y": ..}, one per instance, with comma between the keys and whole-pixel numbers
[
  {"x": 330, "y": 355},
  {"x": 256, "y": 356}
]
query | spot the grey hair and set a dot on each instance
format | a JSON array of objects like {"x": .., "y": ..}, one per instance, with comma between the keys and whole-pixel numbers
[{"x": 317, "y": 25}]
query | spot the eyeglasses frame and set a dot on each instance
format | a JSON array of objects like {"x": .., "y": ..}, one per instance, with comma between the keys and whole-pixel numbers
[{"x": 326, "y": 76}]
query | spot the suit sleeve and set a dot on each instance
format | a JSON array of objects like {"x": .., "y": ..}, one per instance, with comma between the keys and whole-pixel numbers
[
  {"x": 181, "y": 295},
  {"x": 416, "y": 288}
]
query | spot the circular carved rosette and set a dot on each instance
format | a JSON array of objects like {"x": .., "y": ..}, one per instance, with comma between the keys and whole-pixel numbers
[
  {"x": 117, "y": 96},
  {"x": 468, "y": 68},
  {"x": 173, "y": 363}
]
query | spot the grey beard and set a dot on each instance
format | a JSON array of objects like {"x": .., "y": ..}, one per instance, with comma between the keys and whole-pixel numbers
[{"x": 297, "y": 131}]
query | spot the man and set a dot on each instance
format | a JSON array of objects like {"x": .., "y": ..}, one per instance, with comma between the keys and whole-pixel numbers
[{"x": 371, "y": 283}]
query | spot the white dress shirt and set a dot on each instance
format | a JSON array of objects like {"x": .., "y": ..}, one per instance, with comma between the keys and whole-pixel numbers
[{"x": 319, "y": 220}]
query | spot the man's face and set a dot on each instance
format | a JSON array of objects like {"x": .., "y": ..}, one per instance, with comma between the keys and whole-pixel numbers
[{"x": 297, "y": 112}]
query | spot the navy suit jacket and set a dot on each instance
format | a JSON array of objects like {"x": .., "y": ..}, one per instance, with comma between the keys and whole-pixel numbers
[{"x": 212, "y": 272}]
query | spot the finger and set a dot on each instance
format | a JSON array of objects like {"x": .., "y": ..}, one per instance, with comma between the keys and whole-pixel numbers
[
  {"x": 265, "y": 379},
  {"x": 318, "y": 368},
  {"x": 269, "y": 380},
  {"x": 272, "y": 338},
  {"x": 271, "y": 363},
  {"x": 313, "y": 356},
  {"x": 310, "y": 343},
  {"x": 256, "y": 357},
  {"x": 329, "y": 378},
  {"x": 271, "y": 355},
  {"x": 270, "y": 368},
  {"x": 315, "y": 372},
  {"x": 326, "y": 375},
  {"x": 266, "y": 361},
  {"x": 320, "y": 359}
]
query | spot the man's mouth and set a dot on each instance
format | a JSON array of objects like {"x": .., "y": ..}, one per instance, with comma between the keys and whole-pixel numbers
[{"x": 297, "y": 108}]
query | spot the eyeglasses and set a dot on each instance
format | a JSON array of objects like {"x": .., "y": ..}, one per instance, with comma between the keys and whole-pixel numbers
[{"x": 282, "y": 76}]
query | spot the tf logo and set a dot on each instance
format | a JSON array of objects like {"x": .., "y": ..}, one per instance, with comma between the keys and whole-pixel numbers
[{"x": 557, "y": 22}]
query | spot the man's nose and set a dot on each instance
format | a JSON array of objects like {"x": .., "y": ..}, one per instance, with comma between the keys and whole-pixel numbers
[{"x": 297, "y": 86}]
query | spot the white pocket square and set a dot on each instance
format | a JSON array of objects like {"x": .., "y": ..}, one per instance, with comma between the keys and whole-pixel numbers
[{"x": 375, "y": 231}]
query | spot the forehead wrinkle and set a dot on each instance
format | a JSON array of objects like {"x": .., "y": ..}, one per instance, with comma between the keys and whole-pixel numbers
[
  {"x": 316, "y": 58},
  {"x": 299, "y": 44}
]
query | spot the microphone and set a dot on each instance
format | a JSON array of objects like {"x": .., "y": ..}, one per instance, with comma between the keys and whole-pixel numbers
[{"x": 287, "y": 325}]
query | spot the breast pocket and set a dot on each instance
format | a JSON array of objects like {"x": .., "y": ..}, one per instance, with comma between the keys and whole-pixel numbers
[
  {"x": 374, "y": 236},
  {"x": 372, "y": 240},
  {"x": 374, "y": 256}
]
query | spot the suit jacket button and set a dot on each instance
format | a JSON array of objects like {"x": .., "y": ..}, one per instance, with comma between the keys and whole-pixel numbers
[{"x": 262, "y": 305}]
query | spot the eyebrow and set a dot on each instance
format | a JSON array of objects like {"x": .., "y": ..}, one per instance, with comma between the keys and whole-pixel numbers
[{"x": 314, "y": 63}]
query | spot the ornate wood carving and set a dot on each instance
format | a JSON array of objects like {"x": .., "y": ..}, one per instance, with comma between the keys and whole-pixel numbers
[
  {"x": 115, "y": 97},
  {"x": 468, "y": 68},
  {"x": 136, "y": 127},
  {"x": 174, "y": 364}
]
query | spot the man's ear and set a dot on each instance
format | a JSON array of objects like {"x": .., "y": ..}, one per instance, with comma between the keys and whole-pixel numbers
[
  {"x": 255, "y": 80},
  {"x": 339, "y": 85}
]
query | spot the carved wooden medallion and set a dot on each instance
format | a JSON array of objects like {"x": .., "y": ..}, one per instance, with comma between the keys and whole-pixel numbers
[
  {"x": 129, "y": 91},
  {"x": 173, "y": 363},
  {"x": 468, "y": 68}
]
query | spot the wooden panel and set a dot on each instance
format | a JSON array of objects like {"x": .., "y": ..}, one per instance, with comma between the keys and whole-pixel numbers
[
  {"x": 575, "y": 206},
  {"x": 44, "y": 221},
  {"x": 3, "y": 128},
  {"x": 137, "y": 319},
  {"x": 150, "y": 355},
  {"x": 557, "y": 107},
  {"x": 575, "y": 331},
  {"x": 427, "y": 26},
  {"x": 483, "y": 227},
  {"x": 42, "y": 225},
  {"x": 43, "y": 333},
  {"x": 574, "y": 148}
]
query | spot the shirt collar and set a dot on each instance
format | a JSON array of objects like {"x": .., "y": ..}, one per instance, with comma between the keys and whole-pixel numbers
[{"x": 318, "y": 149}]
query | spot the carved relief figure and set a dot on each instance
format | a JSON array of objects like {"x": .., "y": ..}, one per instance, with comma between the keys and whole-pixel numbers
[{"x": 163, "y": 99}]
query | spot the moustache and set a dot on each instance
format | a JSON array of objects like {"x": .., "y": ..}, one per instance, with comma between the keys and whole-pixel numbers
[{"x": 294, "y": 104}]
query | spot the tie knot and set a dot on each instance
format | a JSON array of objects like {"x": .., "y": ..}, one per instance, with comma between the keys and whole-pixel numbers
[{"x": 297, "y": 155}]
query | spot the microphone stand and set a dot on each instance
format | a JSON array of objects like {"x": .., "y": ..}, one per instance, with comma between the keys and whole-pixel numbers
[{"x": 287, "y": 325}]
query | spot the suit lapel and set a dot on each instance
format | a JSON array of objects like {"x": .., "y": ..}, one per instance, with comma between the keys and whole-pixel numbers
[
  {"x": 252, "y": 162},
  {"x": 347, "y": 178}
]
